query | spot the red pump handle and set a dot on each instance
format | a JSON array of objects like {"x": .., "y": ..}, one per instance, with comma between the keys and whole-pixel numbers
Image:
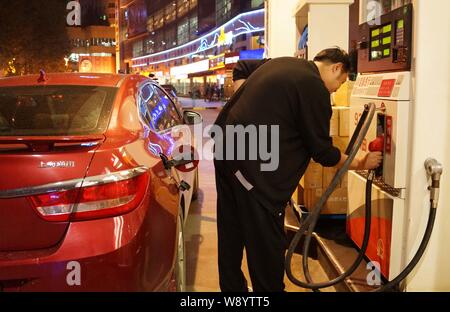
[{"x": 377, "y": 145}]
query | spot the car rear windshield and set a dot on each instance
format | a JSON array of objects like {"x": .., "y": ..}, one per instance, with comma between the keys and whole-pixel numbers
[{"x": 55, "y": 110}]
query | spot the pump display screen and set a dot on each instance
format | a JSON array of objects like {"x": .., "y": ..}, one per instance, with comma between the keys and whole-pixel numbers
[
  {"x": 380, "y": 42},
  {"x": 385, "y": 43},
  {"x": 400, "y": 32}
]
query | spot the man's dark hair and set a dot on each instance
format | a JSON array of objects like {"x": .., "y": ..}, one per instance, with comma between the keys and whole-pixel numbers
[{"x": 334, "y": 56}]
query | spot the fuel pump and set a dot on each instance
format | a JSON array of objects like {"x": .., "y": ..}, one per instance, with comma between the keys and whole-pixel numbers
[
  {"x": 380, "y": 105},
  {"x": 434, "y": 171}
]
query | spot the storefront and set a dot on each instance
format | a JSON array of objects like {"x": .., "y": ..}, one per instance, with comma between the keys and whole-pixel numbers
[{"x": 215, "y": 49}]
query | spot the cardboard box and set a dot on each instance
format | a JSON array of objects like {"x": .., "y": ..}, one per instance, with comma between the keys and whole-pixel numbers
[
  {"x": 334, "y": 123},
  {"x": 298, "y": 196},
  {"x": 313, "y": 176},
  {"x": 328, "y": 175},
  {"x": 344, "y": 181},
  {"x": 337, "y": 203},
  {"x": 341, "y": 143},
  {"x": 312, "y": 196},
  {"x": 339, "y": 98},
  {"x": 344, "y": 122},
  {"x": 342, "y": 96}
]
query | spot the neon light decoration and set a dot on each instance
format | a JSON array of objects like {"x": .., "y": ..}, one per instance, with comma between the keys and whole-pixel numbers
[{"x": 246, "y": 23}]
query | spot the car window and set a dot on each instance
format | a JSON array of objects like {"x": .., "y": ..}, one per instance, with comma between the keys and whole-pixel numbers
[
  {"x": 162, "y": 111},
  {"x": 157, "y": 109},
  {"x": 171, "y": 106},
  {"x": 144, "y": 97},
  {"x": 55, "y": 110}
]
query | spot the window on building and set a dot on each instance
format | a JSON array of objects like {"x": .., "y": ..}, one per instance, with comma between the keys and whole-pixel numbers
[
  {"x": 171, "y": 37},
  {"x": 138, "y": 49},
  {"x": 170, "y": 12},
  {"x": 159, "y": 39},
  {"x": 159, "y": 19},
  {"x": 111, "y": 5},
  {"x": 183, "y": 31},
  {"x": 150, "y": 26},
  {"x": 257, "y": 3},
  {"x": 182, "y": 7},
  {"x": 149, "y": 46},
  {"x": 223, "y": 11},
  {"x": 192, "y": 4},
  {"x": 193, "y": 26}
]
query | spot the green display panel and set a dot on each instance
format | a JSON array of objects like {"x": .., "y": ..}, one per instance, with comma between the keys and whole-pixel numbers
[{"x": 380, "y": 41}]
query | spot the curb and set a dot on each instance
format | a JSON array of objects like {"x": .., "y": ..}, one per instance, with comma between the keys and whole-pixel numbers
[{"x": 201, "y": 108}]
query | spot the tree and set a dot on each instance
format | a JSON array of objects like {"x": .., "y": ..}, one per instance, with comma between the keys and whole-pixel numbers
[{"x": 33, "y": 36}]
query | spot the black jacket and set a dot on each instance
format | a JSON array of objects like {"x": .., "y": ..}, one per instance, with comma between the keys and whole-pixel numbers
[{"x": 290, "y": 93}]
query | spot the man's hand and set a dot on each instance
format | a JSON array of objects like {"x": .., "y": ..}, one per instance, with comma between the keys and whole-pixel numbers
[{"x": 371, "y": 161}]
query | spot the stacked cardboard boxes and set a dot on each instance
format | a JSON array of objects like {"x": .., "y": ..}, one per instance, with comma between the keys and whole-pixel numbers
[
  {"x": 342, "y": 96},
  {"x": 317, "y": 178}
]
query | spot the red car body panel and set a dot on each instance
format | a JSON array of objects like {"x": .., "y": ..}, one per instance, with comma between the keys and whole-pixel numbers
[{"x": 131, "y": 252}]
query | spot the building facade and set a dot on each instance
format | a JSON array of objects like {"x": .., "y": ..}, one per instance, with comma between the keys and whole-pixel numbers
[
  {"x": 94, "y": 42},
  {"x": 191, "y": 44}
]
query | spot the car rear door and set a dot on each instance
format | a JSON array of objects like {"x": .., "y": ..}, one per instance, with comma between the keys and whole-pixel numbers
[{"x": 171, "y": 124}]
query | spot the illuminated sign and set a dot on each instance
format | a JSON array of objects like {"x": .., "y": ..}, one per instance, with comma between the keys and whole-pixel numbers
[
  {"x": 217, "y": 62},
  {"x": 252, "y": 54},
  {"x": 184, "y": 70},
  {"x": 85, "y": 66},
  {"x": 224, "y": 38},
  {"x": 232, "y": 60},
  {"x": 246, "y": 23}
]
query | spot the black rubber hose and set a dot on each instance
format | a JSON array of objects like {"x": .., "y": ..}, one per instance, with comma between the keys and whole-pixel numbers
[
  {"x": 362, "y": 252},
  {"x": 312, "y": 219},
  {"x": 357, "y": 131},
  {"x": 423, "y": 245}
]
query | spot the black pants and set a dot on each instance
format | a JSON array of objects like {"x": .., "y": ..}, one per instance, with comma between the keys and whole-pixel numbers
[{"x": 243, "y": 222}]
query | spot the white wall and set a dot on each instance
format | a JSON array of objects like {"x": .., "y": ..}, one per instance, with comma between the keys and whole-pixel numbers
[
  {"x": 281, "y": 29},
  {"x": 328, "y": 27},
  {"x": 431, "y": 138}
]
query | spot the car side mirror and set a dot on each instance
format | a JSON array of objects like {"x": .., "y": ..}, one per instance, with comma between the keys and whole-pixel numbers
[{"x": 192, "y": 118}]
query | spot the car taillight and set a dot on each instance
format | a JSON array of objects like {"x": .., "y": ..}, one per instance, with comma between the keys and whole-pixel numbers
[{"x": 92, "y": 202}]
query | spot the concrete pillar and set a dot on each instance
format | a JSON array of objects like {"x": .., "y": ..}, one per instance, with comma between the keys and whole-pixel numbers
[
  {"x": 281, "y": 31},
  {"x": 430, "y": 130}
]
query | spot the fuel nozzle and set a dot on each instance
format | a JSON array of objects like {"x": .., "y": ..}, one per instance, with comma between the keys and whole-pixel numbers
[
  {"x": 434, "y": 170},
  {"x": 377, "y": 145}
]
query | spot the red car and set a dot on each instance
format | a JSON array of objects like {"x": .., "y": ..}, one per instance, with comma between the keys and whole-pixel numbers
[{"x": 91, "y": 198}]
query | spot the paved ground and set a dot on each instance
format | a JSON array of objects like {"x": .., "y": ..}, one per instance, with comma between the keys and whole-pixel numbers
[
  {"x": 199, "y": 103},
  {"x": 201, "y": 234}
]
